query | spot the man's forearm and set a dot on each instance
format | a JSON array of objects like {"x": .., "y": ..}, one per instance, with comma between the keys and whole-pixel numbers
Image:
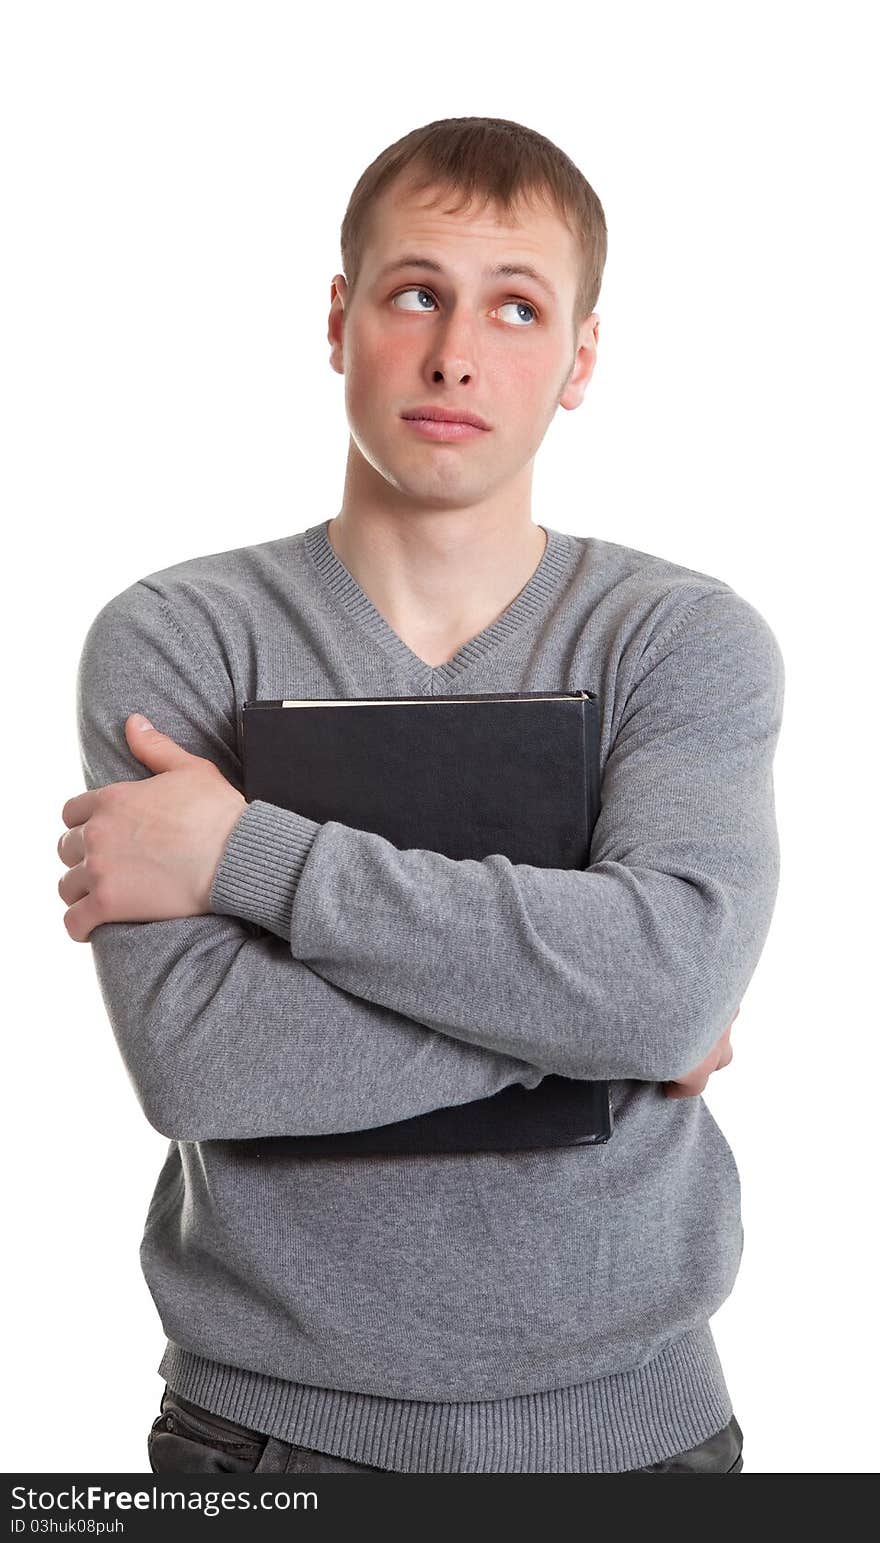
[{"x": 628, "y": 969}]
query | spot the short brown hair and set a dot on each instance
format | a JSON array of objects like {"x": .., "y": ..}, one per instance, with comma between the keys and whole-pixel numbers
[{"x": 495, "y": 160}]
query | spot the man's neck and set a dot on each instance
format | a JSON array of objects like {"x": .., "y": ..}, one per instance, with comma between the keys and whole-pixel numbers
[{"x": 436, "y": 595}]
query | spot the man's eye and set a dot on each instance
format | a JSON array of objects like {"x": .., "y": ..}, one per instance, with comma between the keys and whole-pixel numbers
[
  {"x": 518, "y": 305},
  {"x": 418, "y": 292}
]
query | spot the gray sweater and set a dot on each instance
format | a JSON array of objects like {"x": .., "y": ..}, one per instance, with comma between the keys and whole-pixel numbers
[{"x": 519, "y": 1312}]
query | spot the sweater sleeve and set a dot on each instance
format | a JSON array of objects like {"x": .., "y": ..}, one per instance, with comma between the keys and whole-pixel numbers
[
  {"x": 630, "y": 968},
  {"x": 224, "y": 1033}
]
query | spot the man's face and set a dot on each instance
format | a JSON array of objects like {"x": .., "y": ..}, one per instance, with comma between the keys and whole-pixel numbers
[{"x": 501, "y": 347}]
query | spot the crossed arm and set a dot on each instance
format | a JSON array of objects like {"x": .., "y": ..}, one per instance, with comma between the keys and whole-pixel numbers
[
  {"x": 159, "y": 821},
  {"x": 150, "y": 850}
]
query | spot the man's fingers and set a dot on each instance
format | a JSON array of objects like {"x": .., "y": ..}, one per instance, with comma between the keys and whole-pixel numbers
[
  {"x": 686, "y": 1087},
  {"x": 79, "y": 809},
  {"x": 73, "y": 885},
  {"x": 695, "y": 1082},
  {"x": 79, "y": 920},
  {"x": 71, "y": 846}
]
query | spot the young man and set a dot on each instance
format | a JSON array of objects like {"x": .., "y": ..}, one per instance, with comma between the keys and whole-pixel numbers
[{"x": 543, "y": 1311}]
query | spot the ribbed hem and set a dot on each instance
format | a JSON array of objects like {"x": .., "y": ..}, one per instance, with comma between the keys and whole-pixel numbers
[
  {"x": 560, "y": 554},
  {"x": 261, "y": 866},
  {"x": 607, "y": 1425}
]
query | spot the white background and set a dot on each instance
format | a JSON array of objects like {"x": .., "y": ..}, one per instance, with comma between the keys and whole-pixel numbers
[{"x": 173, "y": 181}]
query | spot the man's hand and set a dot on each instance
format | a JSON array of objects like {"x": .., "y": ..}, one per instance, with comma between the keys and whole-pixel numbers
[
  {"x": 695, "y": 1081},
  {"x": 146, "y": 850}
]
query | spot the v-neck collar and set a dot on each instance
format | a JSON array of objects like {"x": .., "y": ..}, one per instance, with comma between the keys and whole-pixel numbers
[{"x": 557, "y": 558}]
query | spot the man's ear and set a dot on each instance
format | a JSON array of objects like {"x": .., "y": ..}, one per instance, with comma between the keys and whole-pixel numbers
[
  {"x": 336, "y": 320},
  {"x": 584, "y": 363}
]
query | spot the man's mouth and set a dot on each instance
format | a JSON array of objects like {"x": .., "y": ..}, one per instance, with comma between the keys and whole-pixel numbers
[
  {"x": 431, "y": 413},
  {"x": 434, "y": 428}
]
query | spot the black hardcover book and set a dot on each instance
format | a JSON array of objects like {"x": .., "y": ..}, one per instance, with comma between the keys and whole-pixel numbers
[{"x": 515, "y": 773}]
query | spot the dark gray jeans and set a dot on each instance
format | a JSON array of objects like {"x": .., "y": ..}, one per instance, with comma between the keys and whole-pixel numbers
[{"x": 188, "y": 1439}]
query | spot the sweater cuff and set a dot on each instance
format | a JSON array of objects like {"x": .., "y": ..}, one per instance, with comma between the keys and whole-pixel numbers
[{"x": 261, "y": 865}]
